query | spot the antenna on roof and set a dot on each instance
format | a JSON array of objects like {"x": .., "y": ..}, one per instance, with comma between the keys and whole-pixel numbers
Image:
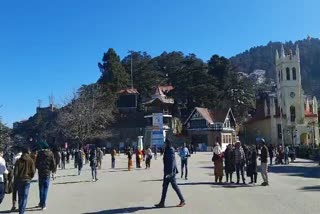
[
  {"x": 131, "y": 52},
  {"x": 39, "y": 103},
  {"x": 51, "y": 101}
]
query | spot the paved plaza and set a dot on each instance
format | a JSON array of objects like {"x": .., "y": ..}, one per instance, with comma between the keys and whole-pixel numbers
[{"x": 294, "y": 189}]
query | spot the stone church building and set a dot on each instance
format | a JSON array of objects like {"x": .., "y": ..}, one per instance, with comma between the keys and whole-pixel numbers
[{"x": 285, "y": 114}]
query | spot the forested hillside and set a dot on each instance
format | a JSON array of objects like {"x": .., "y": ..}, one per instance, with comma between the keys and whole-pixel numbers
[{"x": 263, "y": 57}]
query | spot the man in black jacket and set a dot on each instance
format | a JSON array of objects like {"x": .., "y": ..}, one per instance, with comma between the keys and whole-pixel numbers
[
  {"x": 264, "y": 163},
  {"x": 46, "y": 164},
  {"x": 170, "y": 170}
]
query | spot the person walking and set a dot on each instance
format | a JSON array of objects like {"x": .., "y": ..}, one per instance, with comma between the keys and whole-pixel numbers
[
  {"x": 45, "y": 164},
  {"x": 170, "y": 171},
  {"x": 99, "y": 158},
  {"x": 229, "y": 163},
  {"x": 63, "y": 159},
  {"x": 3, "y": 173},
  {"x": 139, "y": 157},
  {"x": 252, "y": 165},
  {"x": 264, "y": 163},
  {"x": 14, "y": 186},
  {"x": 57, "y": 157},
  {"x": 129, "y": 154},
  {"x": 184, "y": 155},
  {"x": 80, "y": 157},
  {"x": 286, "y": 155},
  {"x": 24, "y": 171},
  {"x": 113, "y": 158},
  {"x": 271, "y": 152},
  {"x": 218, "y": 163},
  {"x": 148, "y": 157},
  {"x": 240, "y": 160},
  {"x": 155, "y": 151},
  {"x": 93, "y": 164}
]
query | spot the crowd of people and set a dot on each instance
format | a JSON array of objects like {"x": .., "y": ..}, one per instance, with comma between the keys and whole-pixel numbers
[
  {"x": 20, "y": 169},
  {"x": 19, "y": 165},
  {"x": 241, "y": 159}
]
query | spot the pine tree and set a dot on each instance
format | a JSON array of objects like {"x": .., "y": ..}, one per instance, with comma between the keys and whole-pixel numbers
[{"x": 113, "y": 73}]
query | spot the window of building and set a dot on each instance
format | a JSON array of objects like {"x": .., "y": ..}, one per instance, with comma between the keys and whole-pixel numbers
[
  {"x": 281, "y": 75},
  {"x": 293, "y": 113},
  {"x": 294, "y": 73},
  {"x": 198, "y": 124},
  {"x": 288, "y": 73}
]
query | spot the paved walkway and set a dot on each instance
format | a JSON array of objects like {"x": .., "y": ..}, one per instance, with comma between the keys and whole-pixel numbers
[{"x": 294, "y": 189}]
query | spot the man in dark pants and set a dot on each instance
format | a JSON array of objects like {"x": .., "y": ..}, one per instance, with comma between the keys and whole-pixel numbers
[
  {"x": 24, "y": 171},
  {"x": 184, "y": 155},
  {"x": 270, "y": 148},
  {"x": 170, "y": 170},
  {"x": 240, "y": 160},
  {"x": 45, "y": 163}
]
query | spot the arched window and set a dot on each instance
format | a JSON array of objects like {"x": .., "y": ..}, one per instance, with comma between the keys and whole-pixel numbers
[
  {"x": 294, "y": 73},
  {"x": 281, "y": 75},
  {"x": 288, "y": 73},
  {"x": 293, "y": 113},
  {"x": 279, "y": 78}
]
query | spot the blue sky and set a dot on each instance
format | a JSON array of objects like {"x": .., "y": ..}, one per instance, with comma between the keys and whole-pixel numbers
[{"x": 52, "y": 47}]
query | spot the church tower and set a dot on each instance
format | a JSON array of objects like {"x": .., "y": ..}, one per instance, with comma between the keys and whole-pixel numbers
[{"x": 290, "y": 94}]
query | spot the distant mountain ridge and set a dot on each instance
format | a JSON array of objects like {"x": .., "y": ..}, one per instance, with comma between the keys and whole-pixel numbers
[{"x": 263, "y": 58}]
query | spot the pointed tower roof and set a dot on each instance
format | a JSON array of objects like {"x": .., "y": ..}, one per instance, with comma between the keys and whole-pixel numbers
[
  {"x": 297, "y": 51},
  {"x": 282, "y": 51},
  {"x": 277, "y": 55}
]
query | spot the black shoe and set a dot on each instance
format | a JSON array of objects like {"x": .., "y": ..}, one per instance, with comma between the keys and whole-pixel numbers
[
  {"x": 186, "y": 178},
  {"x": 238, "y": 182},
  {"x": 14, "y": 209},
  {"x": 160, "y": 205},
  {"x": 182, "y": 204}
]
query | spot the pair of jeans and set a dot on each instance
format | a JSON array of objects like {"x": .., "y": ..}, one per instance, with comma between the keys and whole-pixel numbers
[
  {"x": 2, "y": 192},
  {"x": 44, "y": 183},
  {"x": 79, "y": 168},
  {"x": 23, "y": 193},
  {"x": 184, "y": 164},
  {"x": 14, "y": 194},
  {"x": 240, "y": 169},
  {"x": 165, "y": 184},
  {"x": 94, "y": 172},
  {"x": 113, "y": 163},
  {"x": 264, "y": 172}
]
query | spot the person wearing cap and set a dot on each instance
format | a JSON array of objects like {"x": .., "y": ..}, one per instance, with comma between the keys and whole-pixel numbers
[
  {"x": 170, "y": 171},
  {"x": 14, "y": 186},
  {"x": 264, "y": 163},
  {"x": 240, "y": 161},
  {"x": 46, "y": 164},
  {"x": 3, "y": 173}
]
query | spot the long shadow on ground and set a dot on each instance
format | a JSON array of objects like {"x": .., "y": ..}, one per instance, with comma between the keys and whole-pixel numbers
[
  {"x": 72, "y": 182},
  {"x": 126, "y": 210},
  {"x": 223, "y": 185},
  {"x": 301, "y": 171},
  {"x": 311, "y": 188}
]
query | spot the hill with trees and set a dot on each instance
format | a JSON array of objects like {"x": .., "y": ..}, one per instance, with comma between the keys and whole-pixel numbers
[
  {"x": 215, "y": 84},
  {"x": 263, "y": 57}
]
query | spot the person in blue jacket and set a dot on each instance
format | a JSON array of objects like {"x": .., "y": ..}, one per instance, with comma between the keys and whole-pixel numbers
[{"x": 170, "y": 171}]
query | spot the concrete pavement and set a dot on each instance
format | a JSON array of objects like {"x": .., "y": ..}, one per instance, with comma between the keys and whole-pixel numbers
[{"x": 293, "y": 189}]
